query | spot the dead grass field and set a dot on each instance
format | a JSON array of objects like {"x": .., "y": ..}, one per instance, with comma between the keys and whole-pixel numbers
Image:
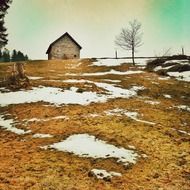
[{"x": 24, "y": 165}]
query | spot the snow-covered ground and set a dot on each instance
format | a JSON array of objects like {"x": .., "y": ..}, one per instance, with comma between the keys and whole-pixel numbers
[
  {"x": 35, "y": 78},
  {"x": 183, "y": 107},
  {"x": 177, "y": 61},
  {"x": 163, "y": 78},
  {"x": 85, "y": 145},
  {"x": 183, "y": 76},
  {"x": 152, "y": 102},
  {"x": 167, "y": 96},
  {"x": 110, "y": 62},
  {"x": 39, "y": 135},
  {"x": 118, "y": 62},
  {"x": 111, "y": 72},
  {"x": 8, "y": 124},
  {"x": 102, "y": 174},
  {"x": 132, "y": 115},
  {"x": 26, "y": 121},
  {"x": 58, "y": 96}
]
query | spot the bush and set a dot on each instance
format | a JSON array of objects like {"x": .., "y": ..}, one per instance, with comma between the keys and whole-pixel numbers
[
  {"x": 159, "y": 62},
  {"x": 179, "y": 68},
  {"x": 156, "y": 62}
]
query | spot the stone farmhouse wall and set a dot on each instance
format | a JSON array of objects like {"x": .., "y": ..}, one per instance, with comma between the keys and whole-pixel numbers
[{"x": 65, "y": 48}]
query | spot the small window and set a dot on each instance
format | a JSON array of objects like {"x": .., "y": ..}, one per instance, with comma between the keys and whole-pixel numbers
[{"x": 75, "y": 55}]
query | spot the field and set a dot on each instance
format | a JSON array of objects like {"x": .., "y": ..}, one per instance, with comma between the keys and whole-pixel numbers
[{"x": 84, "y": 126}]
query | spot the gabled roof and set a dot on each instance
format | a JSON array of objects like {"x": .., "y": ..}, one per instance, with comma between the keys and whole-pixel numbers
[{"x": 64, "y": 35}]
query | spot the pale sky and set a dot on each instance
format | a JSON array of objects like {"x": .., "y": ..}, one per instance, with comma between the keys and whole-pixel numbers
[{"x": 34, "y": 24}]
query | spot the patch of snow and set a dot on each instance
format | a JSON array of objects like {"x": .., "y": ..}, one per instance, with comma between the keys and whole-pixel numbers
[
  {"x": 85, "y": 145},
  {"x": 163, "y": 78},
  {"x": 9, "y": 126},
  {"x": 167, "y": 67},
  {"x": 94, "y": 115},
  {"x": 132, "y": 115},
  {"x": 157, "y": 68},
  {"x": 50, "y": 95},
  {"x": 181, "y": 131},
  {"x": 77, "y": 81},
  {"x": 35, "y": 78},
  {"x": 110, "y": 62},
  {"x": 101, "y": 174},
  {"x": 38, "y": 135},
  {"x": 111, "y": 72},
  {"x": 184, "y": 132},
  {"x": 164, "y": 68},
  {"x": 109, "y": 80},
  {"x": 181, "y": 62},
  {"x": 57, "y": 96},
  {"x": 154, "y": 82},
  {"x": 43, "y": 120},
  {"x": 116, "y": 92},
  {"x": 144, "y": 155},
  {"x": 141, "y": 67},
  {"x": 113, "y": 91},
  {"x": 131, "y": 147},
  {"x": 167, "y": 96},
  {"x": 184, "y": 107},
  {"x": 183, "y": 76},
  {"x": 152, "y": 102}
]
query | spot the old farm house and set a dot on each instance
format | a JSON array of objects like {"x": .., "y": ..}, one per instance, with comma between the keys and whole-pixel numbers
[{"x": 64, "y": 47}]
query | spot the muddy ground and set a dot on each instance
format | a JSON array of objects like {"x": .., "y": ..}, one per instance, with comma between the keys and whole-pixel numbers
[{"x": 25, "y": 165}]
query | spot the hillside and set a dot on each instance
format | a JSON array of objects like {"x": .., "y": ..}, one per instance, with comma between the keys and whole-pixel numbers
[{"x": 84, "y": 125}]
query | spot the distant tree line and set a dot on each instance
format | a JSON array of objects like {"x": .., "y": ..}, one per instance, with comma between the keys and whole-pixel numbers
[{"x": 6, "y": 56}]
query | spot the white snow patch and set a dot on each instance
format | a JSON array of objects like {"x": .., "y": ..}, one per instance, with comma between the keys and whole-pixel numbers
[
  {"x": 132, "y": 115},
  {"x": 77, "y": 81},
  {"x": 183, "y": 76},
  {"x": 111, "y": 72},
  {"x": 9, "y": 126},
  {"x": 163, "y": 78},
  {"x": 94, "y": 115},
  {"x": 57, "y": 96},
  {"x": 50, "y": 95},
  {"x": 39, "y": 135},
  {"x": 102, "y": 174},
  {"x": 85, "y": 145},
  {"x": 184, "y": 132},
  {"x": 157, "y": 68},
  {"x": 181, "y": 131},
  {"x": 110, "y": 62},
  {"x": 35, "y": 78},
  {"x": 184, "y": 107},
  {"x": 154, "y": 82},
  {"x": 181, "y": 62},
  {"x": 167, "y": 96},
  {"x": 43, "y": 120},
  {"x": 109, "y": 80},
  {"x": 152, "y": 102}
]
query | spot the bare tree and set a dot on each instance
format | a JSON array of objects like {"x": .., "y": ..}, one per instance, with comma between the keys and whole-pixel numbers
[{"x": 130, "y": 38}]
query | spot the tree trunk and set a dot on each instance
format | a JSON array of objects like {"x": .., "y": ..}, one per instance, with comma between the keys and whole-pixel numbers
[{"x": 133, "y": 55}]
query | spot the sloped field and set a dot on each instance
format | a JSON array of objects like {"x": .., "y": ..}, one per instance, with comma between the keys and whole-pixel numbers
[{"x": 85, "y": 126}]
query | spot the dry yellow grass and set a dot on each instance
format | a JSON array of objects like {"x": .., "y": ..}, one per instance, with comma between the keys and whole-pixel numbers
[{"x": 24, "y": 165}]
